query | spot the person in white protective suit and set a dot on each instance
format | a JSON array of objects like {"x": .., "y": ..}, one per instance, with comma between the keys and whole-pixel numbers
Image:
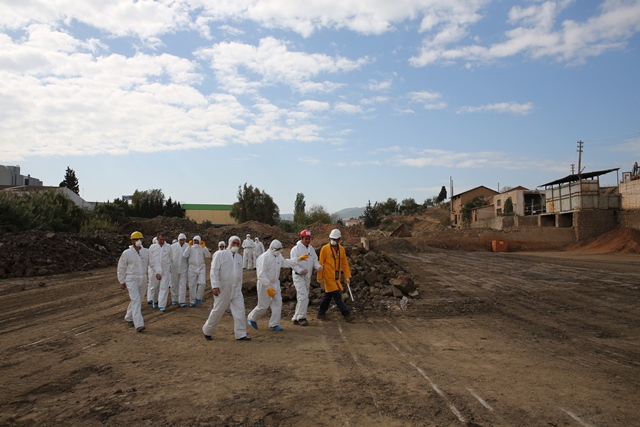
[
  {"x": 152, "y": 282},
  {"x": 160, "y": 260},
  {"x": 247, "y": 255},
  {"x": 132, "y": 276},
  {"x": 269, "y": 295},
  {"x": 226, "y": 281},
  {"x": 179, "y": 272},
  {"x": 196, "y": 252},
  {"x": 259, "y": 250},
  {"x": 302, "y": 276}
]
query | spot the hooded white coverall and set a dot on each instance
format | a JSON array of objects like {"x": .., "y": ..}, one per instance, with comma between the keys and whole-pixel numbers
[
  {"x": 160, "y": 260},
  {"x": 259, "y": 250},
  {"x": 302, "y": 281},
  {"x": 268, "y": 270},
  {"x": 247, "y": 255},
  {"x": 132, "y": 271},
  {"x": 179, "y": 268},
  {"x": 226, "y": 275},
  {"x": 153, "y": 283},
  {"x": 197, "y": 279}
]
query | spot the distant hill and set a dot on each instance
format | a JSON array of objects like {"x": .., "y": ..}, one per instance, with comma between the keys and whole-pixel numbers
[
  {"x": 350, "y": 213},
  {"x": 343, "y": 214}
]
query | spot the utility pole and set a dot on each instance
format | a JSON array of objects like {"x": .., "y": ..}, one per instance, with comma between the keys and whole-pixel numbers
[
  {"x": 573, "y": 169},
  {"x": 451, "y": 194},
  {"x": 580, "y": 157}
]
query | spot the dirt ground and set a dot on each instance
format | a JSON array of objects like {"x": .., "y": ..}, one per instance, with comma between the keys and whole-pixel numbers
[{"x": 498, "y": 339}]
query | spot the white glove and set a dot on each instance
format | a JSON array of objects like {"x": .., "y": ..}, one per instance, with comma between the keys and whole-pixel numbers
[
  {"x": 348, "y": 281},
  {"x": 319, "y": 268},
  {"x": 304, "y": 272}
]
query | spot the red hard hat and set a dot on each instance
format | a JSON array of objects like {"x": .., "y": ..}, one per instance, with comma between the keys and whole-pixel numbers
[{"x": 305, "y": 233}]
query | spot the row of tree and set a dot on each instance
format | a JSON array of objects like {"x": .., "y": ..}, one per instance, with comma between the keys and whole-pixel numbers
[{"x": 373, "y": 214}]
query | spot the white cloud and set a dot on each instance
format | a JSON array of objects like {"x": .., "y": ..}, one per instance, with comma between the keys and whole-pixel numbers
[
  {"x": 501, "y": 107},
  {"x": 234, "y": 63},
  {"x": 538, "y": 34},
  {"x": 309, "y": 160},
  {"x": 472, "y": 160},
  {"x": 392, "y": 149},
  {"x": 357, "y": 163},
  {"x": 429, "y": 100},
  {"x": 343, "y": 107},
  {"x": 315, "y": 106}
]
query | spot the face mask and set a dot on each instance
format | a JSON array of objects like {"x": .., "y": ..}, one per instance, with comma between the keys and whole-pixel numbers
[
  {"x": 234, "y": 249},
  {"x": 138, "y": 243},
  {"x": 333, "y": 242}
]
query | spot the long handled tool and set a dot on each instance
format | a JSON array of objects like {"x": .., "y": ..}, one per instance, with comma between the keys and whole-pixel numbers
[{"x": 350, "y": 294}]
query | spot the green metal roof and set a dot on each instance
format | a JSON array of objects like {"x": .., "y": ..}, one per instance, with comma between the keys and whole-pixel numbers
[{"x": 206, "y": 207}]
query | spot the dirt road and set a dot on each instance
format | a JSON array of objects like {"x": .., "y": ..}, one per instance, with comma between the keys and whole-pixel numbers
[{"x": 497, "y": 340}]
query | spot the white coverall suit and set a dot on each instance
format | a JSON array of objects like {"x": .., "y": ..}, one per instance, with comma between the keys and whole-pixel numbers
[
  {"x": 132, "y": 271},
  {"x": 302, "y": 281},
  {"x": 179, "y": 269},
  {"x": 259, "y": 250},
  {"x": 153, "y": 283},
  {"x": 160, "y": 260},
  {"x": 226, "y": 275},
  {"x": 268, "y": 266},
  {"x": 247, "y": 255},
  {"x": 197, "y": 278}
]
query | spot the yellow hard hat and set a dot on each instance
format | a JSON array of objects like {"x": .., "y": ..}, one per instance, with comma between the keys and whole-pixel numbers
[{"x": 136, "y": 235}]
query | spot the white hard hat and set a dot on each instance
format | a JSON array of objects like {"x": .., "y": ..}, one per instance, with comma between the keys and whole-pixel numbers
[{"x": 335, "y": 234}]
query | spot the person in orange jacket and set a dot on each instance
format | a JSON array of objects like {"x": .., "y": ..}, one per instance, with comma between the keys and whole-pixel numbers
[{"x": 333, "y": 259}]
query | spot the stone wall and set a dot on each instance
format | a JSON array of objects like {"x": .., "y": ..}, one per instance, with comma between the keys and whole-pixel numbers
[
  {"x": 629, "y": 218},
  {"x": 593, "y": 222}
]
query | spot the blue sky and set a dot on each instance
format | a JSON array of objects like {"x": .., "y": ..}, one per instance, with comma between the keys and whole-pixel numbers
[{"x": 344, "y": 101}]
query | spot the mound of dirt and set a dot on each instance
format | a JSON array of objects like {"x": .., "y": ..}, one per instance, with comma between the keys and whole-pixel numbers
[
  {"x": 392, "y": 245},
  {"x": 320, "y": 232},
  {"x": 621, "y": 240},
  {"x": 266, "y": 233}
]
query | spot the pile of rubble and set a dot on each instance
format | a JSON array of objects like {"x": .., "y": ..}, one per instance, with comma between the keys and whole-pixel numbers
[
  {"x": 378, "y": 282},
  {"x": 40, "y": 253}
]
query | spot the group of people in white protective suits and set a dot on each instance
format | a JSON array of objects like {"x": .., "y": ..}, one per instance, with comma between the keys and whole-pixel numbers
[{"x": 171, "y": 266}]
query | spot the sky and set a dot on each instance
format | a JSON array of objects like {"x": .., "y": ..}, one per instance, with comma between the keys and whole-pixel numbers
[{"x": 343, "y": 101}]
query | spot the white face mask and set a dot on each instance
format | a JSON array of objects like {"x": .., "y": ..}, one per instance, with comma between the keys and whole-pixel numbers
[
  {"x": 138, "y": 243},
  {"x": 234, "y": 249},
  {"x": 333, "y": 242}
]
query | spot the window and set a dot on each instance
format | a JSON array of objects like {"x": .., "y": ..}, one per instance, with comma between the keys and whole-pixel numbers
[{"x": 499, "y": 202}]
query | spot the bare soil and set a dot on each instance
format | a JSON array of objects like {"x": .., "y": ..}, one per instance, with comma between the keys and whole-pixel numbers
[{"x": 497, "y": 339}]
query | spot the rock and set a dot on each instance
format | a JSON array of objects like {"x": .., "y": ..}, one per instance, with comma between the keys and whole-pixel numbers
[
  {"x": 387, "y": 291},
  {"x": 404, "y": 284},
  {"x": 371, "y": 278},
  {"x": 397, "y": 292}
]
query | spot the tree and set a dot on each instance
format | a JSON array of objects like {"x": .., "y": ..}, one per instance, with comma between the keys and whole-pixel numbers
[
  {"x": 443, "y": 195},
  {"x": 476, "y": 202},
  {"x": 299, "y": 215},
  {"x": 255, "y": 205},
  {"x": 371, "y": 215},
  {"x": 409, "y": 206},
  {"x": 389, "y": 207},
  {"x": 318, "y": 213},
  {"x": 147, "y": 204},
  {"x": 508, "y": 207},
  {"x": 70, "y": 181}
]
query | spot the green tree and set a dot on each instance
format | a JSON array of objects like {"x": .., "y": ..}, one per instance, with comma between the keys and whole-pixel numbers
[
  {"x": 508, "y": 207},
  {"x": 318, "y": 213},
  {"x": 255, "y": 205},
  {"x": 476, "y": 202},
  {"x": 371, "y": 215},
  {"x": 71, "y": 181},
  {"x": 409, "y": 206},
  {"x": 147, "y": 204},
  {"x": 443, "y": 195},
  {"x": 389, "y": 207},
  {"x": 299, "y": 214}
]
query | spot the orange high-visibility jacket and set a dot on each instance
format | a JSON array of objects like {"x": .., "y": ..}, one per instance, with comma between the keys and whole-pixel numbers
[{"x": 333, "y": 261}]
